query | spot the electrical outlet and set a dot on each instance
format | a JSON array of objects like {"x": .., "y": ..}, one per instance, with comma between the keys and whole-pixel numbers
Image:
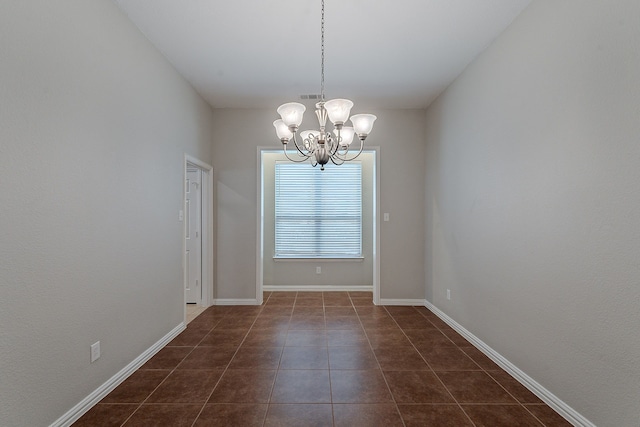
[
  {"x": 448, "y": 293},
  {"x": 318, "y": 270},
  {"x": 95, "y": 351},
  {"x": 386, "y": 216}
]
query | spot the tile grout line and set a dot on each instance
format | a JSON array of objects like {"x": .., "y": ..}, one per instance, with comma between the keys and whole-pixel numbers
[
  {"x": 393, "y": 398},
  {"x": 487, "y": 373},
  {"x": 275, "y": 378},
  {"x": 429, "y": 365},
  {"x": 228, "y": 364},
  {"x": 333, "y": 415},
  {"x": 514, "y": 398},
  {"x": 168, "y": 375}
]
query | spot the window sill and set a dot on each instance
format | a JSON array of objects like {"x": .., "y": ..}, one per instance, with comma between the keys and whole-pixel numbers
[{"x": 318, "y": 259}]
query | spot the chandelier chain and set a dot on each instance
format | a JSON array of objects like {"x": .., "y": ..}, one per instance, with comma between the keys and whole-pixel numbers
[{"x": 322, "y": 54}]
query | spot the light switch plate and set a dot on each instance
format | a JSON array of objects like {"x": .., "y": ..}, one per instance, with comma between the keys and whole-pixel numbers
[{"x": 95, "y": 351}]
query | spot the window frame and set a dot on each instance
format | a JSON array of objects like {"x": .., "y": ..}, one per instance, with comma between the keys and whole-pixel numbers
[{"x": 315, "y": 172}]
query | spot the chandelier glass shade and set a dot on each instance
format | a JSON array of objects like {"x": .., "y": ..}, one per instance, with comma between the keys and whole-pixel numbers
[{"x": 322, "y": 146}]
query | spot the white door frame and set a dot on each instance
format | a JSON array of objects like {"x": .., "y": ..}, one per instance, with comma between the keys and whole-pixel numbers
[
  {"x": 207, "y": 232},
  {"x": 260, "y": 224}
]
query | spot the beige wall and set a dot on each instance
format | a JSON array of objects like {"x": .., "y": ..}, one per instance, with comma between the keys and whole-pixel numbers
[
  {"x": 94, "y": 124},
  {"x": 532, "y": 202},
  {"x": 400, "y": 136}
]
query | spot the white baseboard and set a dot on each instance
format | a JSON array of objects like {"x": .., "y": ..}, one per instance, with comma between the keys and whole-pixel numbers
[
  {"x": 318, "y": 288},
  {"x": 235, "y": 301},
  {"x": 98, "y": 394},
  {"x": 545, "y": 395},
  {"x": 396, "y": 301}
]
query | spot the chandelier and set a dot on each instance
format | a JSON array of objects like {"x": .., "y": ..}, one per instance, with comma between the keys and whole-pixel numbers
[{"x": 321, "y": 146}]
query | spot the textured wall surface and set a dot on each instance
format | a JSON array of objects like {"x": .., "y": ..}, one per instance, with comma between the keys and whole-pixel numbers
[
  {"x": 532, "y": 187},
  {"x": 94, "y": 124}
]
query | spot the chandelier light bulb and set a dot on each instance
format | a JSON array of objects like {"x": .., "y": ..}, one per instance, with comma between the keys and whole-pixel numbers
[
  {"x": 291, "y": 114},
  {"x": 346, "y": 135},
  {"x": 362, "y": 124},
  {"x": 338, "y": 110},
  {"x": 282, "y": 130}
]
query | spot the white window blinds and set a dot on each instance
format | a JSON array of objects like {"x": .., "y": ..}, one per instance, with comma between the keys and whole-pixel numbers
[{"x": 318, "y": 214}]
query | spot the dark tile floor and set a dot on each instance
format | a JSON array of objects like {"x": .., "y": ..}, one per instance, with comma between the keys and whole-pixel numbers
[{"x": 320, "y": 359}]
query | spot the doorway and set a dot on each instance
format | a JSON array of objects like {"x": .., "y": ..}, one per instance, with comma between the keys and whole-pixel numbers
[{"x": 198, "y": 249}]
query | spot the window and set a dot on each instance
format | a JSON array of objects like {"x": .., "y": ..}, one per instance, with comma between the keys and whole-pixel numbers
[{"x": 318, "y": 214}]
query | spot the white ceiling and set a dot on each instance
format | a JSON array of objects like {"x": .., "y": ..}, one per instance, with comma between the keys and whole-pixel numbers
[{"x": 379, "y": 53}]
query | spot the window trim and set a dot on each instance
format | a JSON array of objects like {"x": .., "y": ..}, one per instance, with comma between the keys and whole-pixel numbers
[
  {"x": 329, "y": 257},
  {"x": 332, "y": 259}
]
